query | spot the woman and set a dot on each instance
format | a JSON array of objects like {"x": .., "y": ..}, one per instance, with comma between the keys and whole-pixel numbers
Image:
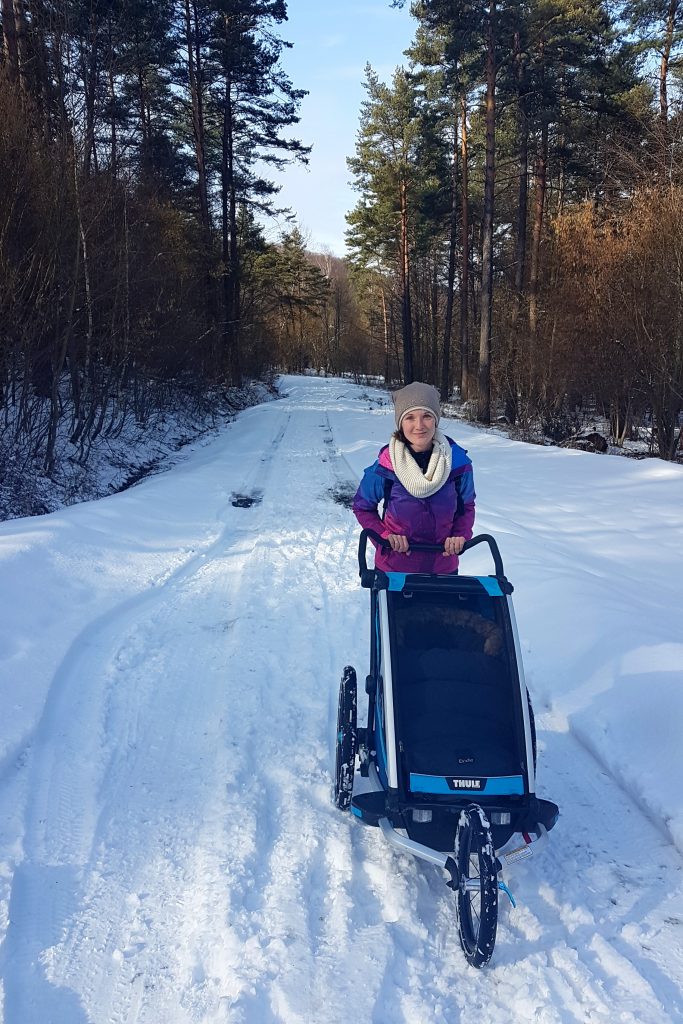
[{"x": 425, "y": 481}]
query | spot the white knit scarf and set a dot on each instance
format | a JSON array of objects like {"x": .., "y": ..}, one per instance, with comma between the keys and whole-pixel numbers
[{"x": 417, "y": 483}]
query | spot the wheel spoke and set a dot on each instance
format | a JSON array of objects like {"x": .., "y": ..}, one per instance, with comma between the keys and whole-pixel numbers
[{"x": 477, "y": 907}]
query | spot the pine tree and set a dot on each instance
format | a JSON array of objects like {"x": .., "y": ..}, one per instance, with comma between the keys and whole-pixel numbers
[
  {"x": 395, "y": 172},
  {"x": 251, "y": 103},
  {"x": 658, "y": 28},
  {"x": 295, "y": 291}
]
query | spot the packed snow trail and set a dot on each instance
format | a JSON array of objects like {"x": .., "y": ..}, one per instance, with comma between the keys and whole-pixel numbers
[{"x": 178, "y": 857}]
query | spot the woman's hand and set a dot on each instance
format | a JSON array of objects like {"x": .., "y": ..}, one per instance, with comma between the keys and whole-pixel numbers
[
  {"x": 399, "y": 543},
  {"x": 453, "y": 545}
]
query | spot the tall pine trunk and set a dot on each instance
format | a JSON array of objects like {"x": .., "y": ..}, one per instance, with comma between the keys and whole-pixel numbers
[
  {"x": 486, "y": 298},
  {"x": 387, "y": 350},
  {"x": 666, "y": 57},
  {"x": 9, "y": 33},
  {"x": 230, "y": 250},
  {"x": 452, "y": 244},
  {"x": 511, "y": 374},
  {"x": 465, "y": 264},
  {"x": 113, "y": 140},
  {"x": 194, "y": 73},
  {"x": 406, "y": 309},
  {"x": 540, "y": 175}
]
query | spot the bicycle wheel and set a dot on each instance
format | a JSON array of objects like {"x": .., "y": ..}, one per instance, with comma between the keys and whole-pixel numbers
[
  {"x": 345, "y": 761},
  {"x": 478, "y": 886}
]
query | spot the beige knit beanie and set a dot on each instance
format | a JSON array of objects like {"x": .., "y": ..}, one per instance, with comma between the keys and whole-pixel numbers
[{"x": 416, "y": 396}]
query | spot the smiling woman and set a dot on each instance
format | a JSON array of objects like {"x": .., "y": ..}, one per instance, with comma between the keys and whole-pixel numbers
[{"x": 424, "y": 481}]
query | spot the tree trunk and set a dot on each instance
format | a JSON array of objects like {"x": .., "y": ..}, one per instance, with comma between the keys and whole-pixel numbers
[
  {"x": 465, "y": 264},
  {"x": 90, "y": 76},
  {"x": 387, "y": 351},
  {"x": 10, "y": 47},
  {"x": 43, "y": 83},
  {"x": 511, "y": 374},
  {"x": 484, "y": 397},
  {"x": 230, "y": 250},
  {"x": 452, "y": 244},
  {"x": 540, "y": 175},
  {"x": 145, "y": 149},
  {"x": 406, "y": 310},
  {"x": 522, "y": 186},
  {"x": 194, "y": 70},
  {"x": 58, "y": 360},
  {"x": 21, "y": 36},
  {"x": 434, "y": 310},
  {"x": 113, "y": 143},
  {"x": 665, "y": 58}
]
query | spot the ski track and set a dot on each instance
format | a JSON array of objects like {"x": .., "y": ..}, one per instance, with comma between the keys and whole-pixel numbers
[{"x": 182, "y": 860}]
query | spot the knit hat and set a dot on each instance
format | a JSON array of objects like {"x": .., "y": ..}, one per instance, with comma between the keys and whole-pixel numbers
[{"x": 416, "y": 396}]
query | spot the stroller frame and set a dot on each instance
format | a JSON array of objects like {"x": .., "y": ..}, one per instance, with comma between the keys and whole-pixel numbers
[{"x": 463, "y": 819}]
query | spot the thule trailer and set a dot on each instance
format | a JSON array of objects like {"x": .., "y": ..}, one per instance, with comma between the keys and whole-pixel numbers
[{"x": 445, "y": 765}]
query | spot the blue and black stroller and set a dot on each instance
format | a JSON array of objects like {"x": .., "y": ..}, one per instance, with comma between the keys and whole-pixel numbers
[{"x": 447, "y": 760}]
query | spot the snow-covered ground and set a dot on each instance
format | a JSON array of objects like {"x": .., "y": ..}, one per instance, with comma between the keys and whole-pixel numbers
[
  {"x": 123, "y": 453},
  {"x": 169, "y": 662}
]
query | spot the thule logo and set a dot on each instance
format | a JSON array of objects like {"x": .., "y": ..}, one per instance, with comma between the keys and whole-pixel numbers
[{"x": 467, "y": 783}]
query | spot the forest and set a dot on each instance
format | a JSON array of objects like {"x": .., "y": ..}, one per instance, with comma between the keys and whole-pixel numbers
[{"x": 517, "y": 239}]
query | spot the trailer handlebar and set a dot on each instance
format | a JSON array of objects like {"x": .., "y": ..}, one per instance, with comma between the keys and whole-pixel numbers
[{"x": 482, "y": 538}]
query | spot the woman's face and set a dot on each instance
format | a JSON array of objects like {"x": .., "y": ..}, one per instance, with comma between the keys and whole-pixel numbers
[{"x": 419, "y": 428}]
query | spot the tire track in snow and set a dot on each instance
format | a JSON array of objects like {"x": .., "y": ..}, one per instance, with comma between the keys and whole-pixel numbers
[
  {"x": 298, "y": 776},
  {"x": 283, "y": 915},
  {"x": 126, "y": 996},
  {"x": 64, "y": 781}
]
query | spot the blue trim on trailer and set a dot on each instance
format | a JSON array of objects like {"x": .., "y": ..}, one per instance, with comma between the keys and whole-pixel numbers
[
  {"x": 502, "y": 785},
  {"x": 397, "y": 580},
  {"x": 491, "y": 586},
  {"x": 357, "y": 811}
]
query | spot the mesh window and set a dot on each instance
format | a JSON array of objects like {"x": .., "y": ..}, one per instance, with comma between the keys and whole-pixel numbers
[{"x": 454, "y": 684}]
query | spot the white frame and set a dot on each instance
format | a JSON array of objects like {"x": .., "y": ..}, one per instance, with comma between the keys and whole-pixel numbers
[
  {"x": 387, "y": 681},
  {"x": 531, "y": 773}
]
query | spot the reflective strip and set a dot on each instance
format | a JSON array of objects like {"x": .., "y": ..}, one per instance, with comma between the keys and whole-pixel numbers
[{"x": 500, "y": 785}]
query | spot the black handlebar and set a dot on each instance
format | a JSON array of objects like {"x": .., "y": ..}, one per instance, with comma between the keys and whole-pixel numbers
[{"x": 482, "y": 538}]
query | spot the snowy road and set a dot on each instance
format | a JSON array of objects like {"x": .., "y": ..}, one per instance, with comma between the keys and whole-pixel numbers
[{"x": 170, "y": 852}]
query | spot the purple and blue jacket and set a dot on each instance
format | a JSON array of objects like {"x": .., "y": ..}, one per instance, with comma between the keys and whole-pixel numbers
[{"x": 447, "y": 513}]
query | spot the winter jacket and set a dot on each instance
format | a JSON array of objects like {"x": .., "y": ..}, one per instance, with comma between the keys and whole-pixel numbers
[{"x": 447, "y": 513}]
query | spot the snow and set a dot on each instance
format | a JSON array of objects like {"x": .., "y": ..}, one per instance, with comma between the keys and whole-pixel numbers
[
  {"x": 125, "y": 451},
  {"x": 169, "y": 664}
]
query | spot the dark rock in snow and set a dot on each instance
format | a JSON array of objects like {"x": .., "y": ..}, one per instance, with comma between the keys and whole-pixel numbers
[{"x": 597, "y": 440}]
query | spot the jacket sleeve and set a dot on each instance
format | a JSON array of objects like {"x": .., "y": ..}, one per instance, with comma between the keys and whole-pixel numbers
[
  {"x": 368, "y": 496},
  {"x": 463, "y": 520}
]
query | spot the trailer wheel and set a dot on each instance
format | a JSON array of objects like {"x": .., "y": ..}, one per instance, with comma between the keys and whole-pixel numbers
[
  {"x": 347, "y": 739},
  {"x": 478, "y": 886}
]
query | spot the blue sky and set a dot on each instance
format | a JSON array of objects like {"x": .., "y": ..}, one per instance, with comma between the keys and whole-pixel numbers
[{"x": 333, "y": 40}]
